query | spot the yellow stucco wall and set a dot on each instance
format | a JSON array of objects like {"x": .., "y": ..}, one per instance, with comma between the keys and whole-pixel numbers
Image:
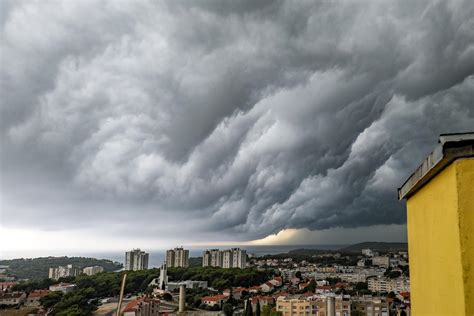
[{"x": 440, "y": 224}]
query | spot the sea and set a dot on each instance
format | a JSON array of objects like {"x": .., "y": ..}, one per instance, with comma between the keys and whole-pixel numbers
[{"x": 157, "y": 256}]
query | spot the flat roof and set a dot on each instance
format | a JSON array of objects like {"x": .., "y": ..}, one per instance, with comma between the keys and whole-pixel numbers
[{"x": 450, "y": 147}]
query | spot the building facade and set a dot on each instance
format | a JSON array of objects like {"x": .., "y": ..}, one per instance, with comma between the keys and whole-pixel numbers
[
  {"x": 440, "y": 221},
  {"x": 177, "y": 257},
  {"x": 62, "y": 272},
  {"x": 92, "y": 270},
  {"x": 136, "y": 260},
  {"x": 229, "y": 258}
]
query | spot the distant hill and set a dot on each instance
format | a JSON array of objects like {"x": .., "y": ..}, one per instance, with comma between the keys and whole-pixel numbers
[
  {"x": 195, "y": 262},
  {"x": 377, "y": 246},
  {"x": 308, "y": 251},
  {"x": 38, "y": 268}
]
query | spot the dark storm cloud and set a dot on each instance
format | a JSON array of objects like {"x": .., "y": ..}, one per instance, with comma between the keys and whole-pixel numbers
[{"x": 246, "y": 117}]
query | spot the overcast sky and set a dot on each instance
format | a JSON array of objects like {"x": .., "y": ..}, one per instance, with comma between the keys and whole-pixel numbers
[{"x": 150, "y": 123}]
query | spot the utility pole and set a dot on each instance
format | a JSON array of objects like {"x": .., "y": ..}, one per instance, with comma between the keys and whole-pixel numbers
[{"x": 122, "y": 289}]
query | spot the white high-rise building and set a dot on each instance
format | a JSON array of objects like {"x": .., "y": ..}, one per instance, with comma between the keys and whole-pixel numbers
[
  {"x": 136, "y": 260},
  {"x": 177, "y": 257},
  {"x": 230, "y": 258},
  {"x": 92, "y": 270},
  {"x": 61, "y": 272},
  {"x": 212, "y": 258}
]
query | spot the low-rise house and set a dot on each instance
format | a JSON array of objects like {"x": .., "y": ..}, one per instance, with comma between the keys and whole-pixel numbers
[
  {"x": 62, "y": 287},
  {"x": 33, "y": 299},
  {"x": 142, "y": 306},
  {"x": 263, "y": 300},
  {"x": 295, "y": 281},
  {"x": 236, "y": 292},
  {"x": 266, "y": 287},
  {"x": 12, "y": 298},
  {"x": 4, "y": 286},
  {"x": 276, "y": 281},
  {"x": 254, "y": 289},
  {"x": 213, "y": 300}
]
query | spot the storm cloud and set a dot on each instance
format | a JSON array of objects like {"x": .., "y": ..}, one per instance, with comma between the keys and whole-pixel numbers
[{"x": 218, "y": 118}]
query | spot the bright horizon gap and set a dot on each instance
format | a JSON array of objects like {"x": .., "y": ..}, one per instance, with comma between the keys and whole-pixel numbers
[{"x": 82, "y": 242}]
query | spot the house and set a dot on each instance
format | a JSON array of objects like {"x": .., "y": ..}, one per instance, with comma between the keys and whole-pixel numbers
[
  {"x": 276, "y": 281},
  {"x": 295, "y": 281},
  {"x": 236, "y": 292},
  {"x": 263, "y": 300},
  {"x": 266, "y": 287},
  {"x": 12, "y": 298},
  {"x": 142, "y": 306},
  {"x": 33, "y": 299},
  {"x": 213, "y": 300},
  {"x": 303, "y": 285},
  {"x": 62, "y": 287},
  {"x": 6, "y": 285},
  {"x": 254, "y": 289}
]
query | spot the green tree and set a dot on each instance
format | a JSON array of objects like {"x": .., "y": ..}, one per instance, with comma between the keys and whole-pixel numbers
[
  {"x": 228, "y": 309},
  {"x": 51, "y": 299},
  {"x": 257, "y": 308},
  {"x": 248, "y": 309}
]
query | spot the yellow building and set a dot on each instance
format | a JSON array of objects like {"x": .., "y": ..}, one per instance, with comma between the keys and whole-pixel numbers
[{"x": 440, "y": 221}]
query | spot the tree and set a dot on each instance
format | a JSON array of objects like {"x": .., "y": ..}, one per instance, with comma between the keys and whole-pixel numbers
[
  {"x": 248, "y": 309},
  {"x": 257, "y": 308},
  {"x": 51, "y": 299},
  {"x": 228, "y": 309}
]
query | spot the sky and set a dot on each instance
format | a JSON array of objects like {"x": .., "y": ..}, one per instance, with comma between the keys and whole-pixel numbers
[{"x": 161, "y": 123}]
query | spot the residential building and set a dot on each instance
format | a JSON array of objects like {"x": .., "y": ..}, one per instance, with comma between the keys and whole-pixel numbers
[
  {"x": 92, "y": 270},
  {"x": 382, "y": 284},
  {"x": 440, "y": 221},
  {"x": 212, "y": 258},
  {"x": 33, "y": 299},
  {"x": 290, "y": 306},
  {"x": 142, "y": 306},
  {"x": 381, "y": 261},
  {"x": 62, "y": 287},
  {"x": 370, "y": 306},
  {"x": 263, "y": 300},
  {"x": 267, "y": 287},
  {"x": 230, "y": 258},
  {"x": 190, "y": 284},
  {"x": 136, "y": 260},
  {"x": 367, "y": 252},
  {"x": 4, "y": 286},
  {"x": 12, "y": 298},
  {"x": 61, "y": 272},
  {"x": 177, "y": 257},
  {"x": 213, "y": 300}
]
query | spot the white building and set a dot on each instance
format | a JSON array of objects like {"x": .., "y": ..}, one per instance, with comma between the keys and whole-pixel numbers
[
  {"x": 381, "y": 284},
  {"x": 92, "y": 270},
  {"x": 367, "y": 252},
  {"x": 62, "y": 272},
  {"x": 212, "y": 258},
  {"x": 177, "y": 257},
  {"x": 230, "y": 258},
  {"x": 62, "y": 287},
  {"x": 381, "y": 261},
  {"x": 136, "y": 260}
]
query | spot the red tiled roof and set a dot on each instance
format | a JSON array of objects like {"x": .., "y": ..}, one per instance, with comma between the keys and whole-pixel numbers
[
  {"x": 214, "y": 298},
  {"x": 7, "y": 283},
  {"x": 131, "y": 305},
  {"x": 38, "y": 293}
]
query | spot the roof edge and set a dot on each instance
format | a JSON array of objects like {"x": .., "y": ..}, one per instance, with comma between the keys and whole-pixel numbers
[{"x": 451, "y": 147}]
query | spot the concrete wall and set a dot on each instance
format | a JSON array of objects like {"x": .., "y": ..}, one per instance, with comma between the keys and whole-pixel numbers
[{"x": 440, "y": 220}]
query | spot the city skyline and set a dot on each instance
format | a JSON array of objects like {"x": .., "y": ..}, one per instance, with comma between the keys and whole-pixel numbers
[{"x": 156, "y": 124}]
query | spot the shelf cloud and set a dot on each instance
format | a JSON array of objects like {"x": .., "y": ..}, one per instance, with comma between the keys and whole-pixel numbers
[{"x": 225, "y": 120}]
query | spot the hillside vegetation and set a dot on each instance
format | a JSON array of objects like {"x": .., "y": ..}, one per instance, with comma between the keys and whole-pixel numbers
[{"x": 37, "y": 268}]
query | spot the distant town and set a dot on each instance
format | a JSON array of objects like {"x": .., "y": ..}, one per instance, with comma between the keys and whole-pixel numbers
[{"x": 351, "y": 281}]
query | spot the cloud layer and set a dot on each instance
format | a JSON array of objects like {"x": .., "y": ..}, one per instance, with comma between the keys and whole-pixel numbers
[{"x": 218, "y": 118}]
